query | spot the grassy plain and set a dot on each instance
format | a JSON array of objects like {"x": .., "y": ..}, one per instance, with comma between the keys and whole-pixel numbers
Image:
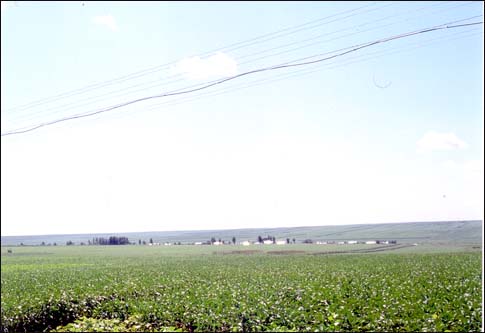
[{"x": 235, "y": 288}]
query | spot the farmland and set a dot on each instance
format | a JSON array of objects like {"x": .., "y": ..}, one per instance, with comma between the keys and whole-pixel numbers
[{"x": 235, "y": 288}]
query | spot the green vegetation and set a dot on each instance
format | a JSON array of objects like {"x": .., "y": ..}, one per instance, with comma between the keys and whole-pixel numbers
[{"x": 236, "y": 288}]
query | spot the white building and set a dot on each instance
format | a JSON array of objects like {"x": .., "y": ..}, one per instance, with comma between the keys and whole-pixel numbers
[
  {"x": 370, "y": 242},
  {"x": 267, "y": 242},
  {"x": 246, "y": 243},
  {"x": 280, "y": 242}
]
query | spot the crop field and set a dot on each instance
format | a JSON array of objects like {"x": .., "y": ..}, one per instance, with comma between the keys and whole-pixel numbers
[{"x": 238, "y": 289}]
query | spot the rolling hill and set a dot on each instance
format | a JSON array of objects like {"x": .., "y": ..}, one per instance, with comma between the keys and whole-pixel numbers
[{"x": 453, "y": 232}]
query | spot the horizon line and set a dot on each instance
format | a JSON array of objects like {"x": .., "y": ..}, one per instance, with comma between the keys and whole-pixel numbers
[{"x": 228, "y": 229}]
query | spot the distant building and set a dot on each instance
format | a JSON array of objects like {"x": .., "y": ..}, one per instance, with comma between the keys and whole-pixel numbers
[
  {"x": 352, "y": 242},
  {"x": 280, "y": 242},
  {"x": 198, "y": 243},
  {"x": 217, "y": 243},
  {"x": 246, "y": 243},
  {"x": 267, "y": 242},
  {"x": 370, "y": 242}
]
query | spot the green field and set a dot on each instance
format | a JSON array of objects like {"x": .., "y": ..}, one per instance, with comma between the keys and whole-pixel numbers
[{"x": 237, "y": 288}]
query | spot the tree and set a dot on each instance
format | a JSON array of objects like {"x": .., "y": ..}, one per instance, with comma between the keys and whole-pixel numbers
[
  {"x": 287, "y": 241},
  {"x": 144, "y": 243},
  {"x": 233, "y": 240},
  {"x": 260, "y": 239},
  {"x": 274, "y": 240},
  {"x": 68, "y": 243},
  {"x": 139, "y": 242},
  {"x": 151, "y": 241},
  {"x": 213, "y": 240},
  {"x": 294, "y": 241},
  {"x": 43, "y": 243}
]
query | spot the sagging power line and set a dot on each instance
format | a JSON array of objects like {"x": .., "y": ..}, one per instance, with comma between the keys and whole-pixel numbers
[
  {"x": 294, "y": 63},
  {"x": 231, "y": 47},
  {"x": 305, "y": 71},
  {"x": 157, "y": 83}
]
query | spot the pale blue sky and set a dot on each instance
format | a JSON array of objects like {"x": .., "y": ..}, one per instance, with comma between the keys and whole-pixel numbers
[{"x": 390, "y": 133}]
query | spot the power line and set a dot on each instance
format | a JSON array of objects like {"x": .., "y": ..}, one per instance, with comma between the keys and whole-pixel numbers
[
  {"x": 302, "y": 72},
  {"x": 345, "y": 29},
  {"x": 151, "y": 70},
  {"x": 271, "y": 68},
  {"x": 94, "y": 99}
]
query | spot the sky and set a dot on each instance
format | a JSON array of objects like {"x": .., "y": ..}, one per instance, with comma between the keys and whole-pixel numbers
[{"x": 391, "y": 132}]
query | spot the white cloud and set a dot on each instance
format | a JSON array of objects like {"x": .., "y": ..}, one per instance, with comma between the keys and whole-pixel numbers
[
  {"x": 196, "y": 68},
  {"x": 440, "y": 141},
  {"x": 106, "y": 20}
]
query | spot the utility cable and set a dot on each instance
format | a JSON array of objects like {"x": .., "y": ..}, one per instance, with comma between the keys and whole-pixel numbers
[{"x": 271, "y": 68}]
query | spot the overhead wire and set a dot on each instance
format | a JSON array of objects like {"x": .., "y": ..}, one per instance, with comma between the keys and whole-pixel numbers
[
  {"x": 294, "y": 63},
  {"x": 158, "y": 83},
  {"x": 151, "y": 70},
  {"x": 350, "y": 34},
  {"x": 305, "y": 71},
  {"x": 94, "y": 99},
  {"x": 278, "y": 34}
]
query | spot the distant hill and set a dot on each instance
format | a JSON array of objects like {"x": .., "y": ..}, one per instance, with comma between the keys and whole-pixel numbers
[{"x": 456, "y": 232}]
